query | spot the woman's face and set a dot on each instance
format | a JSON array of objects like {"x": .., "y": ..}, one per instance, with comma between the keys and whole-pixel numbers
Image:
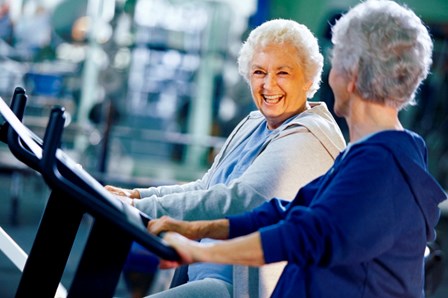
[{"x": 277, "y": 83}]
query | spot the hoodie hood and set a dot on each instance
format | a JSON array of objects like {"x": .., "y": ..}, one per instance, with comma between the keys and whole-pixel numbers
[
  {"x": 324, "y": 128},
  {"x": 410, "y": 153}
]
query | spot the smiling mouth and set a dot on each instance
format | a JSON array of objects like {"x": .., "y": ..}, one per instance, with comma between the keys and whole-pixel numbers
[{"x": 272, "y": 99}]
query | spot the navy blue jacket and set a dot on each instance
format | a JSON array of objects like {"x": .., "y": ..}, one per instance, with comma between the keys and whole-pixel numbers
[{"x": 361, "y": 229}]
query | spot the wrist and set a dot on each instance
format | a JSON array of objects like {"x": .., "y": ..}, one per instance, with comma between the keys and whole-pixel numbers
[
  {"x": 134, "y": 194},
  {"x": 202, "y": 252},
  {"x": 215, "y": 229}
]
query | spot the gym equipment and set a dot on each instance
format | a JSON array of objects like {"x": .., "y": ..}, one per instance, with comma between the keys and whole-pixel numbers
[{"x": 74, "y": 193}]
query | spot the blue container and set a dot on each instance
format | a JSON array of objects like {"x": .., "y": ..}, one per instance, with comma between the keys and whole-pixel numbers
[{"x": 44, "y": 84}]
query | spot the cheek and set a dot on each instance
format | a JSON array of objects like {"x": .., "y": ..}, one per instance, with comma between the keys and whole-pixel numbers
[
  {"x": 255, "y": 87},
  {"x": 254, "y": 92},
  {"x": 293, "y": 90},
  {"x": 337, "y": 86},
  {"x": 331, "y": 79},
  {"x": 253, "y": 84},
  {"x": 255, "y": 95}
]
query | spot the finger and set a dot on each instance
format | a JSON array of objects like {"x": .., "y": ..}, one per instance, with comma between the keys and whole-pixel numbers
[
  {"x": 152, "y": 226},
  {"x": 155, "y": 227},
  {"x": 164, "y": 264},
  {"x": 115, "y": 191},
  {"x": 125, "y": 193}
]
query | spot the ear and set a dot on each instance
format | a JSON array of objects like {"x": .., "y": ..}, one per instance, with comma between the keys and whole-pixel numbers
[
  {"x": 351, "y": 86},
  {"x": 307, "y": 85}
]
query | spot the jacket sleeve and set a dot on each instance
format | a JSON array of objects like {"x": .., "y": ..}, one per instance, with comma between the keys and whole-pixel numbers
[
  {"x": 164, "y": 190},
  {"x": 199, "y": 184},
  {"x": 287, "y": 163},
  {"x": 267, "y": 214}
]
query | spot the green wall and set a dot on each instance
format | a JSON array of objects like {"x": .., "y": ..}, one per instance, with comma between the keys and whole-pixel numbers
[{"x": 313, "y": 13}]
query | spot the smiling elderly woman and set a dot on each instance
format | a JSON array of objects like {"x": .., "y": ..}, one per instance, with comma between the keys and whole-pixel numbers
[{"x": 272, "y": 152}]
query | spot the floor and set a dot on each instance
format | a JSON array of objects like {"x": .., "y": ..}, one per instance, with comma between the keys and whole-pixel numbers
[{"x": 33, "y": 193}]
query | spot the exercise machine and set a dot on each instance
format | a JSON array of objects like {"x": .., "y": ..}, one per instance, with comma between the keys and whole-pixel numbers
[{"x": 74, "y": 192}]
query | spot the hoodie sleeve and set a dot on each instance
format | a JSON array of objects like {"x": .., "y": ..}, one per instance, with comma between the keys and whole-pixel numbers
[
  {"x": 287, "y": 163},
  {"x": 267, "y": 214}
]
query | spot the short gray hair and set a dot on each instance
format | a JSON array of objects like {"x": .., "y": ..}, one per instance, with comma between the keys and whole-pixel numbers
[
  {"x": 387, "y": 46},
  {"x": 280, "y": 31}
]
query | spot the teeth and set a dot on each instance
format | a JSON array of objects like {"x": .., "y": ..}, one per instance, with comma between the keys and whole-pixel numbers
[{"x": 272, "y": 98}]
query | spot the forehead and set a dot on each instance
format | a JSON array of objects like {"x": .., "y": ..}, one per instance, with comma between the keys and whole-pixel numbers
[{"x": 278, "y": 55}]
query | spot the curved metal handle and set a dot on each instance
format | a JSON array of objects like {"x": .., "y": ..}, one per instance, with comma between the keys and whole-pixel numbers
[
  {"x": 18, "y": 101},
  {"x": 18, "y": 149},
  {"x": 52, "y": 140}
]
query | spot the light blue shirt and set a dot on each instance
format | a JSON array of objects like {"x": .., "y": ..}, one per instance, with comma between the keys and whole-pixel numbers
[{"x": 232, "y": 167}]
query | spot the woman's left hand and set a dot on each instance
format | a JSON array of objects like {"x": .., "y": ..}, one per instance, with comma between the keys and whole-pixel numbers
[{"x": 168, "y": 224}]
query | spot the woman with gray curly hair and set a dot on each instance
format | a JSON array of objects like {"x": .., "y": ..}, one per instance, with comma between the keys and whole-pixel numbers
[
  {"x": 281, "y": 32},
  {"x": 273, "y": 151},
  {"x": 389, "y": 63},
  {"x": 361, "y": 229}
]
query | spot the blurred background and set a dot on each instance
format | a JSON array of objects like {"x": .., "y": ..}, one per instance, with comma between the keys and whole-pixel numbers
[{"x": 151, "y": 90}]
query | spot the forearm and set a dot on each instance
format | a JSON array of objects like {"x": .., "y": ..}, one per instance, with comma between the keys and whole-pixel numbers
[
  {"x": 207, "y": 204},
  {"x": 215, "y": 229},
  {"x": 164, "y": 190},
  {"x": 246, "y": 250}
]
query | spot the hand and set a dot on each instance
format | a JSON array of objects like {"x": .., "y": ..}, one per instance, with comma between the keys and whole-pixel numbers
[
  {"x": 130, "y": 193},
  {"x": 166, "y": 223},
  {"x": 124, "y": 199},
  {"x": 187, "y": 249}
]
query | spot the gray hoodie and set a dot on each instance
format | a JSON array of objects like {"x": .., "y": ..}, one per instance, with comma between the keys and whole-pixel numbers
[{"x": 310, "y": 142}]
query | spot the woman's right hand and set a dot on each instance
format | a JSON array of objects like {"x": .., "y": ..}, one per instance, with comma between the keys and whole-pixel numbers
[
  {"x": 130, "y": 193},
  {"x": 188, "y": 250}
]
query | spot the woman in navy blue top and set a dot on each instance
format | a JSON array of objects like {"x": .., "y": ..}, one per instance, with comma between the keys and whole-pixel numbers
[{"x": 361, "y": 229}]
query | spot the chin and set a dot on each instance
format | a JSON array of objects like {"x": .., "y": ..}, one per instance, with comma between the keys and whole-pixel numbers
[
  {"x": 338, "y": 113},
  {"x": 269, "y": 112}
]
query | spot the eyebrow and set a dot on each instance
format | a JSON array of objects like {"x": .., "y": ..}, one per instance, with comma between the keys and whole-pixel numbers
[{"x": 280, "y": 67}]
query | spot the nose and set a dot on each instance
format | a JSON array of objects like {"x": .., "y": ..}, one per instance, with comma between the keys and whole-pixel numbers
[{"x": 269, "y": 81}]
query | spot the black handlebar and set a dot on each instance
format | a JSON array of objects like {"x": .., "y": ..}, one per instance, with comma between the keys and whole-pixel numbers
[{"x": 62, "y": 173}]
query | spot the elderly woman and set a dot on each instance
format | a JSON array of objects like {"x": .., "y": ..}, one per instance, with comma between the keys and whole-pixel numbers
[
  {"x": 361, "y": 229},
  {"x": 272, "y": 152}
]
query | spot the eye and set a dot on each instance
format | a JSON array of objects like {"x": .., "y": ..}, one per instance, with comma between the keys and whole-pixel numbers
[
  {"x": 283, "y": 73},
  {"x": 258, "y": 72}
]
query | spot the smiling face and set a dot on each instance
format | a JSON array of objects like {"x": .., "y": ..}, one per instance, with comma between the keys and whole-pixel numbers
[{"x": 277, "y": 83}]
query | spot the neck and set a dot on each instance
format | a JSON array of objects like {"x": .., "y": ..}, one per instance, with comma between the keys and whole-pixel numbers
[
  {"x": 272, "y": 124},
  {"x": 367, "y": 118}
]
